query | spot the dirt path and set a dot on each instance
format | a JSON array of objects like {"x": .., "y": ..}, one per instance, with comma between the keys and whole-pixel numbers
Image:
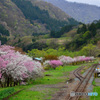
[
  {"x": 72, "y": 82},
  {"x": 60, "y": 90}
]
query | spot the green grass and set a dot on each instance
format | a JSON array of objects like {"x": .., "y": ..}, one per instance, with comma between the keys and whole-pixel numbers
[
  {"x": 96, "y": 89},
  {"x": 6, "y": 92},
  {"x": 87, "y": 66},
  {"x": 56, "y": 76},
  {"x": 93, "y": 83},
  {"x": 33, "y": 95}
]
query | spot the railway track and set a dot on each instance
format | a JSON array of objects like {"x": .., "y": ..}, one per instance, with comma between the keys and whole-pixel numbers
[
  {"x": 77, "y": 73},
  {"x": 83, "y": 82}
]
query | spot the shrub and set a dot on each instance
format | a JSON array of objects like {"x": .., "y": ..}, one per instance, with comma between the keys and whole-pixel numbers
[
  {"x": 19, "y": 50},
  {"x": 90, "y": 50},
  {"x": 50, "y": 57},
  {"x": 59, "y": 68},
  {"x": 46, "y": 64}
]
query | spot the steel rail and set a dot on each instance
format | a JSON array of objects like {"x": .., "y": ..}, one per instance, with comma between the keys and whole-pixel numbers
[{"x": 83, "y": 82}]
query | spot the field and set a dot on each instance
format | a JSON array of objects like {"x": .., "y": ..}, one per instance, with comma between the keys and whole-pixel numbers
[
  {"x": 56, "y": 76},
  {"x": 47, "y": 86}
]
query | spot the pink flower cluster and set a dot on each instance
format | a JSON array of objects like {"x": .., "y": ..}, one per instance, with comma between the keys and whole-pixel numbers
[
  {"x": 68, "y": 60},
  {"x": 64, "y": 60},
  {"x": 17, "y": 66},
  {"x": 55, "y": 63}
]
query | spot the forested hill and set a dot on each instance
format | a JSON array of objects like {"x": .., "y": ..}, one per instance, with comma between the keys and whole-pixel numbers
[
  {"x": 82, "y": 12},
  {"x": 3, "y": 33},
  {"x": 86, "y": 34},
  {"x": 53, "y": 11},
  {"x": 13, "y": 20},
  {"x": 25, "y": 17},
  {"x": 34, "y": 13}
]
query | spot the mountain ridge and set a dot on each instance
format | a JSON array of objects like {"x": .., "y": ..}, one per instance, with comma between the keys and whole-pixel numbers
[
  {"x": 48, "y": 6},
  {"x": 81, "y": 12}
]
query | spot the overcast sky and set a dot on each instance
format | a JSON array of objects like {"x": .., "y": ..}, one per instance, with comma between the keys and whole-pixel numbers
[{"x": 93, "y": 2}]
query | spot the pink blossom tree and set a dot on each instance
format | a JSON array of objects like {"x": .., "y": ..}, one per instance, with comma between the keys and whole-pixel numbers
[
  {"x": 52, "y": 63},
  {"x": 16, "y": 67},
  {"x": 67, "y": 60},
  {"x": 55, "y": 63}
]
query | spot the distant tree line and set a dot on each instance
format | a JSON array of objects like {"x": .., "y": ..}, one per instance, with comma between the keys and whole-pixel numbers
[
  {"x": 3, "y": 34},
  {"x": 3, "y": 40},
  {"x": 35, "y": 45},
  {"x": 3, "y": 31},
  {"x": 37, "y": 34},
  {"x": 63, "y": 30}
]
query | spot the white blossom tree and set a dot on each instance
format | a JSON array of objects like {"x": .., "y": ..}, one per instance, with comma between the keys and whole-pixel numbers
[{"x": 16, "y": 67}]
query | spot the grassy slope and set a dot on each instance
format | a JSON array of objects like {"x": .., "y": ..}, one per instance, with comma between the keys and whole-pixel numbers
[{"x": 57, "y": 77}]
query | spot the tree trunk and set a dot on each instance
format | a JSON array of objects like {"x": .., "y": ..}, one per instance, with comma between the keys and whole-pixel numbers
[
  {"x": 8, "y": 82},
  {"x": 14, "y": 83},
  {"x": 11, "y": 84},
  {"x": 5, "y": 84}
]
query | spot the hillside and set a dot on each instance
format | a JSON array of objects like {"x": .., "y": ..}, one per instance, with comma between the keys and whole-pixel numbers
[
  {"x": 86, "y": 34},
  {"x": 35, "y": 14},
  {"x": 35, "y": 20},
  {"x": 82, "y": 12},
  {"x": 53, "y": 11},
  {"x": 14, "y": 20},
  {"x": 73, "y": 38}
]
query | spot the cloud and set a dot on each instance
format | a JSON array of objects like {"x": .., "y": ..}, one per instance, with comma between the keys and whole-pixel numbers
[{"x": 92, "y": 2}]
